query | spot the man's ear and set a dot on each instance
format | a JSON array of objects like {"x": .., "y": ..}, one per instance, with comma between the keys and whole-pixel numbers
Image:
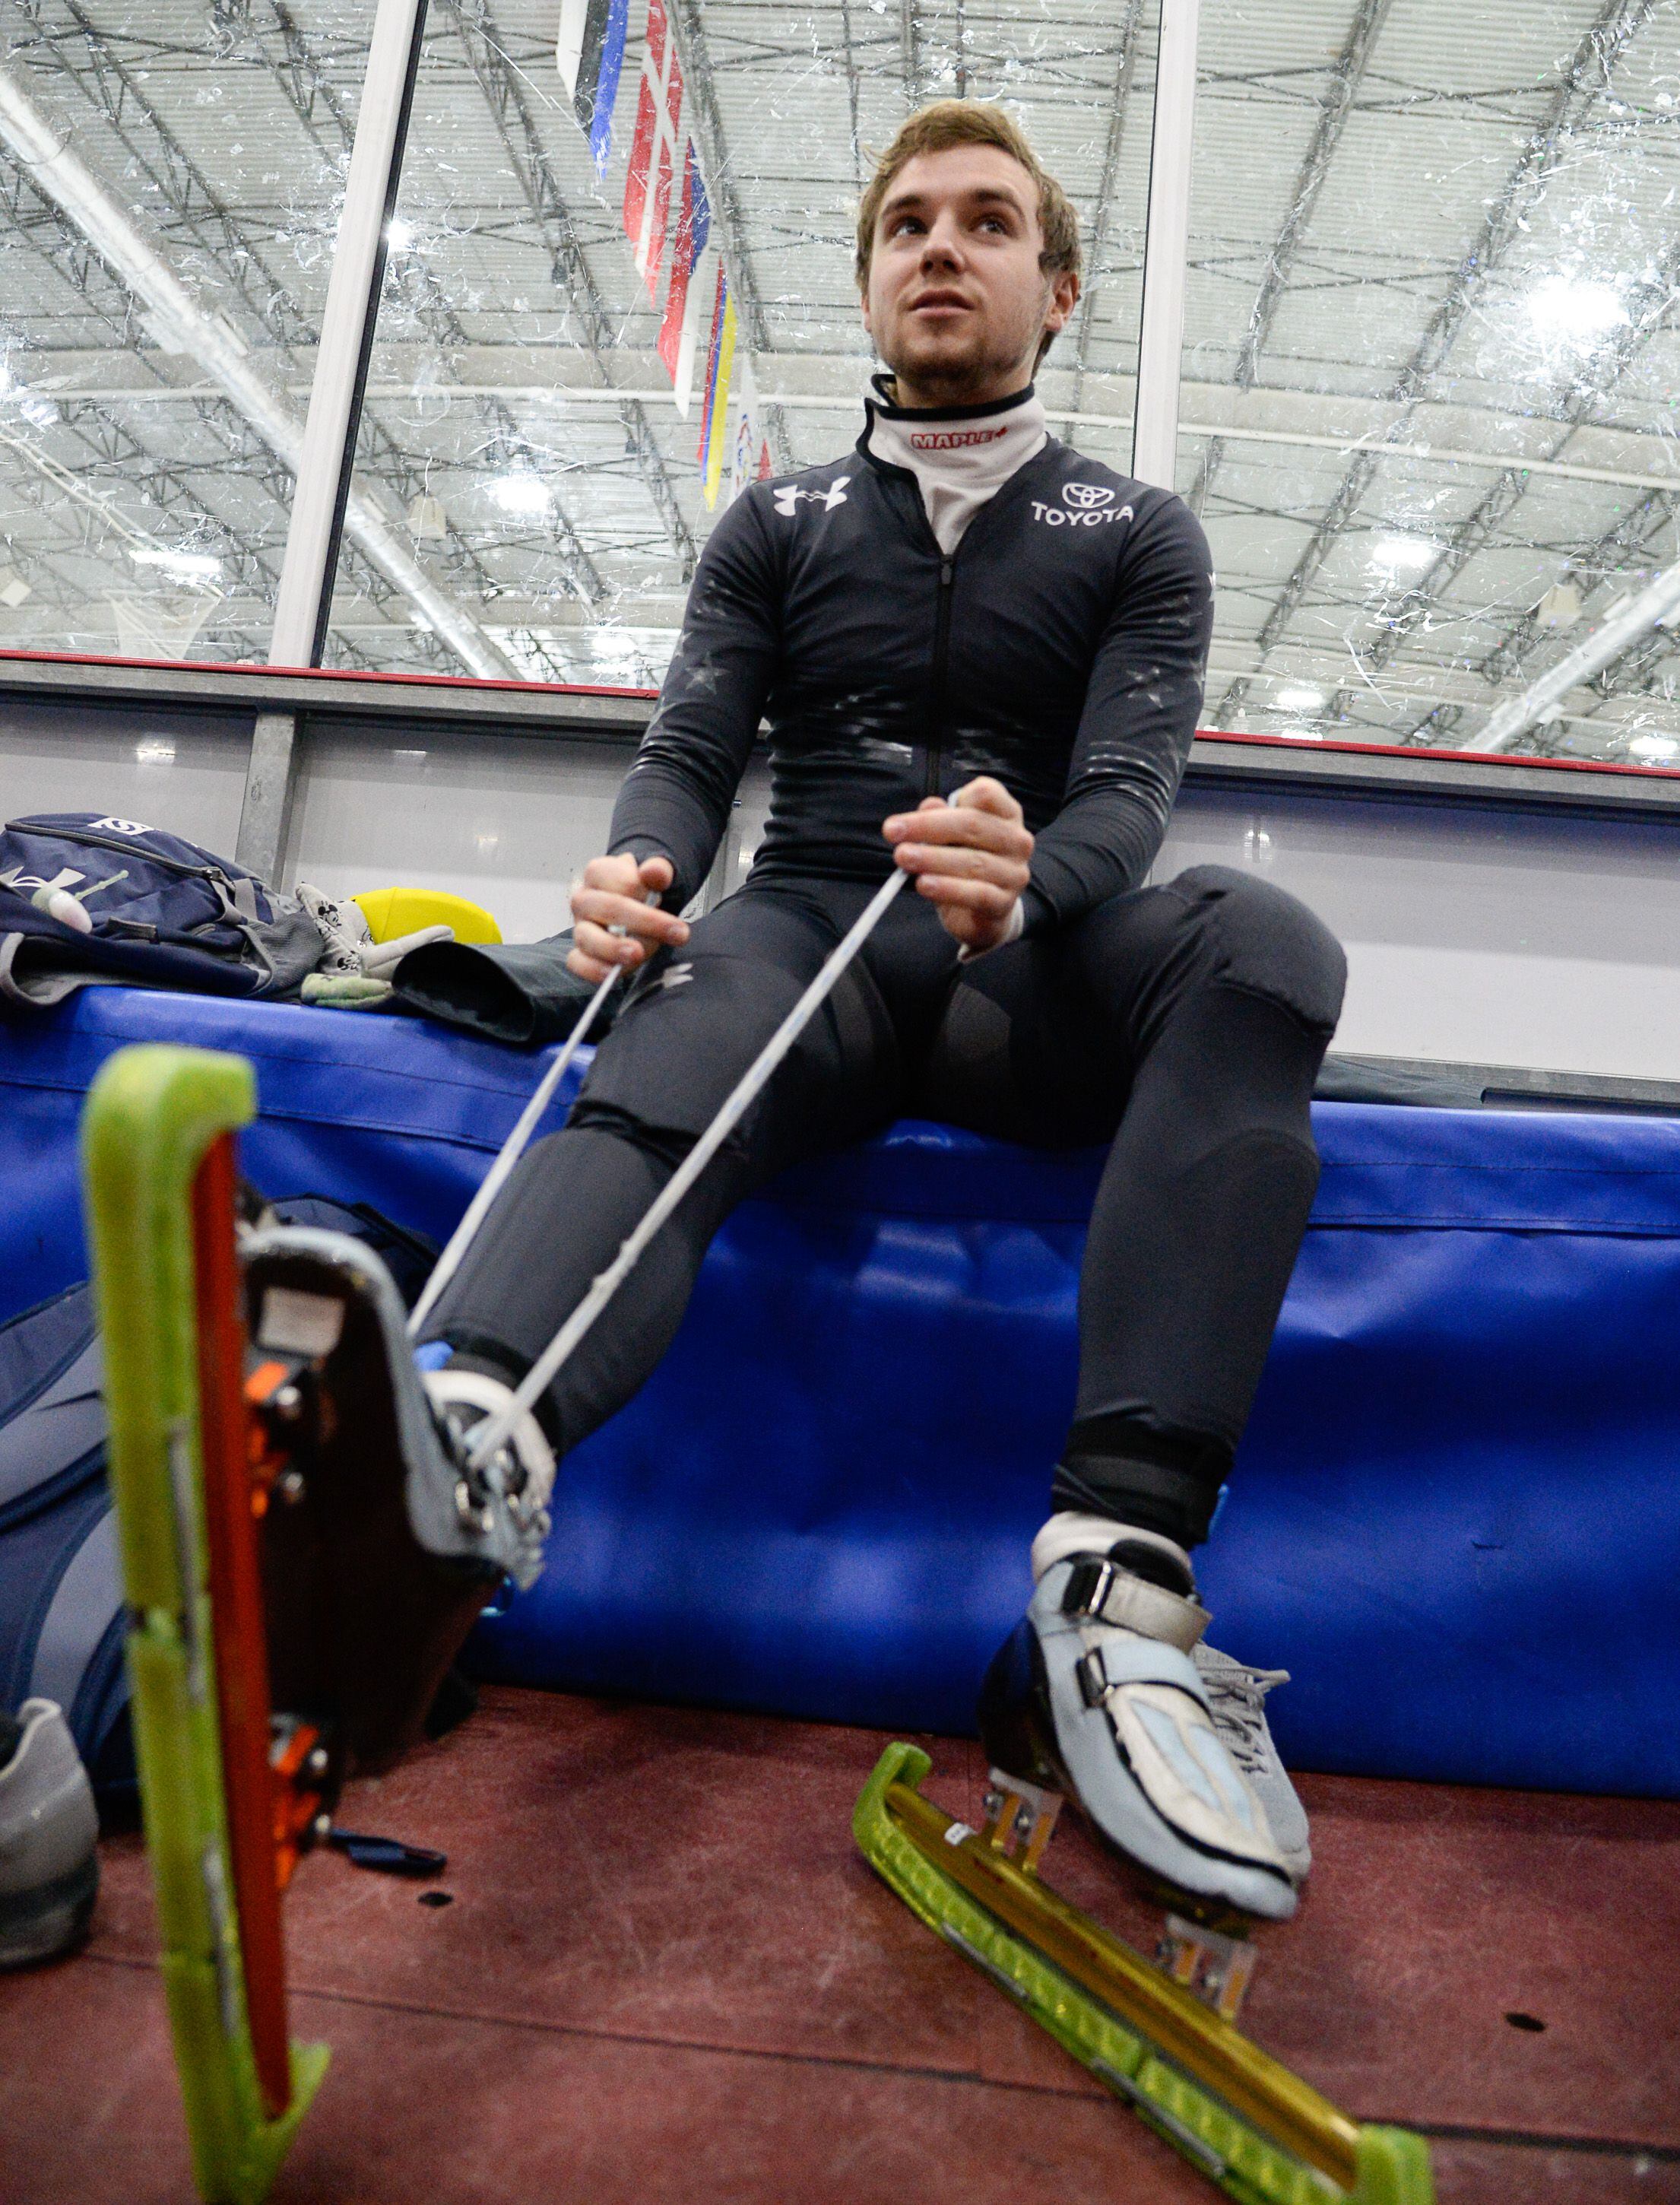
[
  {"x": 863, "y": 308},
  {"x": 1064, "y": 297}
]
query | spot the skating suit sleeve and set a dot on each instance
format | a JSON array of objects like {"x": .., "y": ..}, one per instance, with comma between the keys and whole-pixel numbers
[
  {"x": 1134, "y": 735},
  {"x": 675, "y": 799}
]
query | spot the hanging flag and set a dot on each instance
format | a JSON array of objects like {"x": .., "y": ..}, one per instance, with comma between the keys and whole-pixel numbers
[
  {"x": 655, "y": 149},
  {"x": 679, "y": 325},
  {"x": 715, "y": 412},
  {"x": 591, "y": 53}
]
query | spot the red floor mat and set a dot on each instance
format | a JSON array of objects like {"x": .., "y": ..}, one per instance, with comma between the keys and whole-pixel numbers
[{"x": 664, "y": 1972}]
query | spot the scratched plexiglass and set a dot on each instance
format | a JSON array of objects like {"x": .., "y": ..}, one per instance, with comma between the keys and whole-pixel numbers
[
  {"x": 172, "y": 179},
  {"x": 1430, "y": 361},
  {"x": 538, "y": 402}
]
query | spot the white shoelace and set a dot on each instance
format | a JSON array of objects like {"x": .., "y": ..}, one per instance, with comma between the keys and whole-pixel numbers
[{"x": 1236, "y": 1697}]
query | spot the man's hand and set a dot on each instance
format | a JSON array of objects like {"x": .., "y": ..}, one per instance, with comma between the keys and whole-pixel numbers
[
  {"x": 613, "y": 893},
  {"x": 969, "y": 858}
]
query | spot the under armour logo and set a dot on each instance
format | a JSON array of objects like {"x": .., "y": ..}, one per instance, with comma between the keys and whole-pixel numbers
[
  {"x": 788, "y": 496},
  {"x": 15, "y": 877},
  {"x": 676, "y": 975}
]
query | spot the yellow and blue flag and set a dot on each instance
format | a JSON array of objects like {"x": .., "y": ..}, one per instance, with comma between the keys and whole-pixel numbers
[{"x": 715, "y": 411}]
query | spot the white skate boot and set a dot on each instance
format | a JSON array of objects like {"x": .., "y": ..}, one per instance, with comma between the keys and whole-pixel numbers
[{"x": 1095, "y": 1695}]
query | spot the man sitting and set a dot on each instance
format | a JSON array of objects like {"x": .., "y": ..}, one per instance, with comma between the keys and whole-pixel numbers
[{"x": 980, "y": 655}]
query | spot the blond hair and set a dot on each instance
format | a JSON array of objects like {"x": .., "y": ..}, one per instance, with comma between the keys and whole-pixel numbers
[{"x": 947, "y": 122}]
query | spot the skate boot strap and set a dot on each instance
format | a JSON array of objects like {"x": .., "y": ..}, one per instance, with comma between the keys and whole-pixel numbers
[
  {"x": 1137, "y": 1661},
  {"x": 1106, "y": 1593},
  {"x": 526, "y": 1445}
]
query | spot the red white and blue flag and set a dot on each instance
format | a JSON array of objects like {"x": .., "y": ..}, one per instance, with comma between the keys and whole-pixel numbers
[
  {"x": 656, "y": 151},
  {"x": 684, "y": 298}
]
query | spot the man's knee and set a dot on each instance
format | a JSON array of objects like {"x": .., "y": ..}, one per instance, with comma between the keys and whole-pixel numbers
[
  {"x": 1260, "y": 940},
  {"x": 690, "y": 1028}
]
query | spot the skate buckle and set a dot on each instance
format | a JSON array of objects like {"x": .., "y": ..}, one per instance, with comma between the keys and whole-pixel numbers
[
  {"x": 1089, "y": 1585},
  {"x": 1020, "y": 1819},
  {"x": 1216, "y": 1967}
]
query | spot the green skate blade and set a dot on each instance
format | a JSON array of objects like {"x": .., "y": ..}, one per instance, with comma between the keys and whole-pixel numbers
[
  {"x": 1263, "y": 2135},
  {"x": 152, "y": 1115}
]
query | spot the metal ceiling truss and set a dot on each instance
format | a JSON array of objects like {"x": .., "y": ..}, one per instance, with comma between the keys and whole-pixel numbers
[
  {"x": 236, "y": 249},
  {"x": 291, "y": 69},
  {"x": 1582, "y": 82},
  {"x": 1346, "y": 73},
  {"x": 1630, "y": 536},
  {"x": 849, "y": 62},
  {"x": 1629, "y": 539},
  {"x": 510, "y": 110},
  {"x": 1651, "y": 298},
  {"x": 912, "y": 58},
  {"x": 111, "y": 447},
  {"x": 192, "y": 208},
  {"x": 1095, "y": 269}
]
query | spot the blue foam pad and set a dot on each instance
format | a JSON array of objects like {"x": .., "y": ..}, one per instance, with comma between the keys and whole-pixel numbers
[{"x": 1453, "y": 1519}]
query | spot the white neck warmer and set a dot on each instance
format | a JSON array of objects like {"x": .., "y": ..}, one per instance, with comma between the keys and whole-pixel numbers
[{"x": 959, "y": 458}]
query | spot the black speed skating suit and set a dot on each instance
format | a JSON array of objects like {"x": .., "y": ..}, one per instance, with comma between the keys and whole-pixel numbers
[{"x": 1061, "y": 649}]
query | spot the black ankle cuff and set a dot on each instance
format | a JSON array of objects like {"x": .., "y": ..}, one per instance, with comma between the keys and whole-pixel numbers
[{"x": 1115, "y": 1466}]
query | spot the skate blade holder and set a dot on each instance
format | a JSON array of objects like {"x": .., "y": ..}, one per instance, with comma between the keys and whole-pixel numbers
[
  {"x": 1217, "y": 1967},
  {"x": 1020, "y": 1822},
  {"x": 233, "y": 1793},
  {"x": 1262, "y": 2134}
]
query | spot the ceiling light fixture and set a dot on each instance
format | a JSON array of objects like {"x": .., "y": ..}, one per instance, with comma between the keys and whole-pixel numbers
[
  {"x": 520, "y": 493},
  {"x": 1657, "y": 748},
  {"x": 399, "y": 233},
  {"x": 1571, "y": 310},
  {"x": 1560, "y": 607},
  {"x": 183, "y": 566},
  {"x": 1395, "y": 554},
  {"x": 1298, "y": 696}
]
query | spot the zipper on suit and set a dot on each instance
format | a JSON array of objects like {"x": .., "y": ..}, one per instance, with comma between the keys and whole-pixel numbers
[{"x": 942, "y": 651}]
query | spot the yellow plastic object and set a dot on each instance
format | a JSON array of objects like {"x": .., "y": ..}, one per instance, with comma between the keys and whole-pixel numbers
[
  {"x": 392, "y": 912},
  {"x": 1263, "y": 2135},
  {"x": 153, "y": 1116}
]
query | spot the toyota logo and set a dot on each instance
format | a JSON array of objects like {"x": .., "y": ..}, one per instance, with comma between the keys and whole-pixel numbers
[{"x": 1086, "y": 494}]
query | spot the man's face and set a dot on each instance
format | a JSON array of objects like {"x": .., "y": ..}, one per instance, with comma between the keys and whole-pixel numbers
[{"x": 957, "y": 301}]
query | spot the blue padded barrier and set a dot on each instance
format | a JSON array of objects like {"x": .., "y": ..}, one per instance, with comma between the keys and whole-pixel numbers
[{"x": 1455, "y": 1518}]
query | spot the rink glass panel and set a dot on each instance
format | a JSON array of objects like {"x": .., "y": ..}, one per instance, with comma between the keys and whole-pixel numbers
[
  {"x": 517, "y": 380},
  {"x": 142, "y": 513},
  {"x": 1429, "y": 360}
]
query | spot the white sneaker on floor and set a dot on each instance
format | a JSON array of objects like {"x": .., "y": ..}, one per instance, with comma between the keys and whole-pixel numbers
[{"x": 49, "y": 1870}]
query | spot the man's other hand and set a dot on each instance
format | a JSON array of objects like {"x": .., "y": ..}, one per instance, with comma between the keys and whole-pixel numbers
[
  {"x": 969, "y": 858},
  {"x": 615, "y": 923}
]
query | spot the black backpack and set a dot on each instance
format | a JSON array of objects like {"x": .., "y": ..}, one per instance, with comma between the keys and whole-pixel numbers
[
  {"x": 61, "y": 1577},
  {"x": 85, "y": 896}
]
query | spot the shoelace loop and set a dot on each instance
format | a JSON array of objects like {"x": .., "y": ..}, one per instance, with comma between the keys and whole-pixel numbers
[{"x": 1237, "y": 1697}]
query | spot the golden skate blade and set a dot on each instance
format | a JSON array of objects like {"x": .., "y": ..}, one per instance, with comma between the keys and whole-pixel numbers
[{"x": 1261, "y": 2133}]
